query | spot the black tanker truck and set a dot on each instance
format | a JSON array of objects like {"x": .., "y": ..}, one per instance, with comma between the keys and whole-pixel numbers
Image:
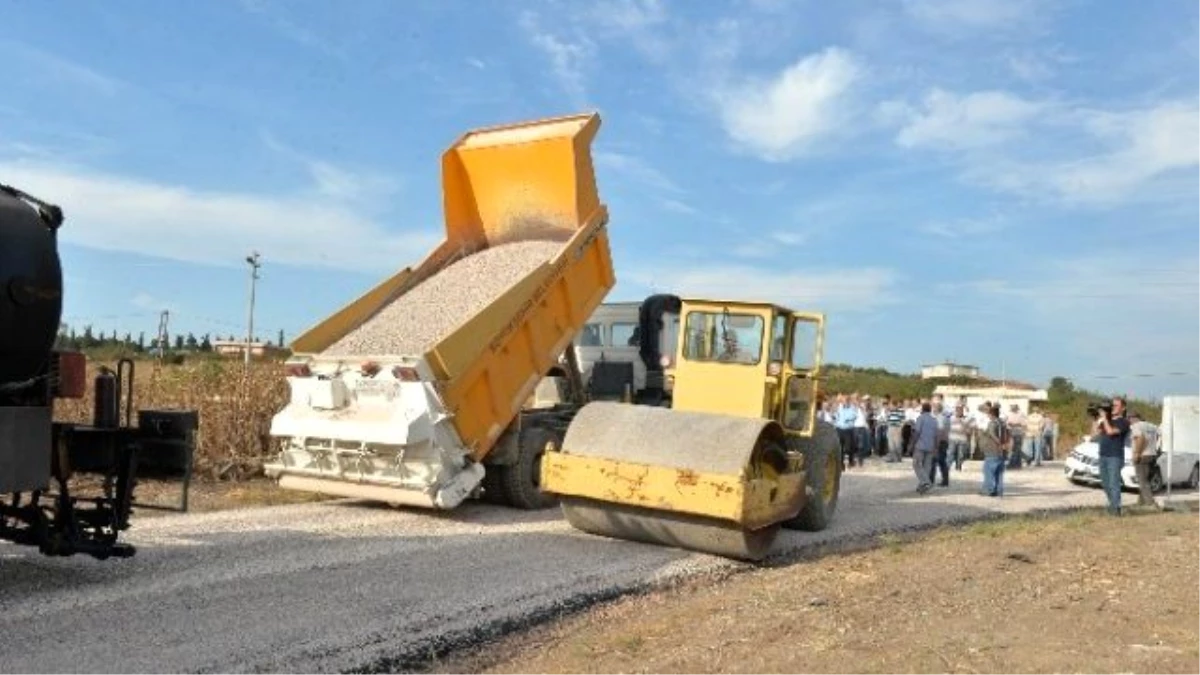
[{"x": 66, "y": 488}]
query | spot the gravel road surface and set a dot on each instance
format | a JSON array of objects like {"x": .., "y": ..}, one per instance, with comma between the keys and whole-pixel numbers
[{"x": 352, "y": 586}]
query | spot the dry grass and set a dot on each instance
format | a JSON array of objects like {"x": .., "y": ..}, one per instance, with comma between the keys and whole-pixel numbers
[
  {"x": 235, "y": 408},
  {"x": 1080, "y": 593}
]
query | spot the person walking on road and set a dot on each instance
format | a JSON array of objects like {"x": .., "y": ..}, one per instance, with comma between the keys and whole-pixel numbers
[
  {"x": 941, "y": 452},
  {"x": 1048, "y": 438},
  {"x": 960, "y": 429},
  {"x": 924, "y": 444},
  {"x": 862, "y": 430},
  {"x": 845, "y": 414},
  {"x": 1034, "y": 425},
  {"x": 1145, "y": 456},
  {"x": 1112, "y": 431},
  {"x": 1016, "y": 430},
  {"x": 895, "y": 432},
  {"x": 991, "y": 444}
]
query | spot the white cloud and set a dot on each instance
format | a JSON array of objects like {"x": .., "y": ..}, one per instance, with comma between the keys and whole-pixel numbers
[
  {"x": 1051, "y": 151},
  {"x": 56, "y": 69},
  {"x": 772, "y": 244},
  {"x": 568, "y": 58},
  {"x": 122, "y": 213},
  {"x": 334, "y": 181},
  {"x": 959, "y": 15},
  {"x": 962, "y": 228},
  {"x": 629, "y": 15},
  {"x": 636, "y": 170},
  {"x": 832, "y": 290},
  {"x": 144, "y": 300},
  {"x": 1037, "y": 65},
  {"x": 782, "y": 117},
  {"x": 945, "y": 120},
  {"x": 676, "y": 206},
  {"x": 291, "y": 29},
  {"x": 641, "y": 22},
  {"x": 1115, "y": 313},
  {"x": 1142, "y": 145}
]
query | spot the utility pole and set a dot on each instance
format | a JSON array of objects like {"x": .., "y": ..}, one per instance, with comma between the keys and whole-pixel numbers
[
  {"x": 253, "y": 260},
  {"x": 162, "y": 333}
]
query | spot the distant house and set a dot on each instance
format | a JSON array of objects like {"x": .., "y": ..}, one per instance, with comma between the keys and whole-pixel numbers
[
  {"x": 1007, "y": 394},
  {"x": 238, "y": 348},
  {"x": 948, "y": 370}
]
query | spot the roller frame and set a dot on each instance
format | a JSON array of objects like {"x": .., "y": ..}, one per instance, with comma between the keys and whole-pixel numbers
[{"x": 733, "y": 509}]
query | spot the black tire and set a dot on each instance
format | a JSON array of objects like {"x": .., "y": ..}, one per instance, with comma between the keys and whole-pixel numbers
[
  {"x": 495, "y": 488},
  {"x": 820, "y": 453},
  {"x": 1194, "y": 477},
  {"x": 522, "y": 479},
  {"x": 1157, "y": 484}
]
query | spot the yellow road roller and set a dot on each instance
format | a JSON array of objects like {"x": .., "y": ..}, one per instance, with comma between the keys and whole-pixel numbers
[{"x": 733, "y": 454}]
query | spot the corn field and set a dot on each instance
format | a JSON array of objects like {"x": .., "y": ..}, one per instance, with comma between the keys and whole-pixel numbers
[{"x": 235, "y": 408}]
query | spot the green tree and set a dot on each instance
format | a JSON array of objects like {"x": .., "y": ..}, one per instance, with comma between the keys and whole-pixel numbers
[
  {"x": 191, "y": 341},
  {"x": 206, "y": 344}
]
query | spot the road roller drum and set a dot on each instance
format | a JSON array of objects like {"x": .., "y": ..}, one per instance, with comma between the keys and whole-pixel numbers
[{"x": 703, "y": 481}]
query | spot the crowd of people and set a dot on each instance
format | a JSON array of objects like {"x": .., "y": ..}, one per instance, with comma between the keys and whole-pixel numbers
[{"x": 937, "y": 436}]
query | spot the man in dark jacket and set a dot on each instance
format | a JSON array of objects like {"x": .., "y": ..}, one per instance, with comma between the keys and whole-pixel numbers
[{"x": 1112, "y": 432}]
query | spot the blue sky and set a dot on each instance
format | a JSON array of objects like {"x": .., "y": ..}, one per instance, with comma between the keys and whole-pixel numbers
[{"x": 1007, "y": 183}]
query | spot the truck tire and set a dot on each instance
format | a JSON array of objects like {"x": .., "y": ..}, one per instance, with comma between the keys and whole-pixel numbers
[
  {"x": 823, "y": 466},
  {"x": 522, "y": 479},
  {"x": 495, "y": 488}
]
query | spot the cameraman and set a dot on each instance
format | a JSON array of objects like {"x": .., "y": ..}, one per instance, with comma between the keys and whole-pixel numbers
[{"x": 1112, "y": 430}]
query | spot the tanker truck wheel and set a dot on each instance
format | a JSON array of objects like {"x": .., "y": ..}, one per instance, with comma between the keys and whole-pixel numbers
[
  {"x": 522, "y": 479},
  {"x": 823, "y": 462}
]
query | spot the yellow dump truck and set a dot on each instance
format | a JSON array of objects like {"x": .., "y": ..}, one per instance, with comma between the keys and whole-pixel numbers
[
  {"x": 396, "y": 399},
  {"x": 417, "y": 428}
]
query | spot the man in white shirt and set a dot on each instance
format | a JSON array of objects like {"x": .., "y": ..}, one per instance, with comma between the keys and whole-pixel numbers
[
  {"x": 1145, "y": 456},
  {"x": 1016, "y": 429}
]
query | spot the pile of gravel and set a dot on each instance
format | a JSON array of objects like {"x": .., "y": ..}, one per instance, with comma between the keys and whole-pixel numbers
[{"x": 417, "y": 320}]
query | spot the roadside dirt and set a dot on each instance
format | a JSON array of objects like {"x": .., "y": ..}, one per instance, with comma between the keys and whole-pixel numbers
[
  {"x": 1069, "y": 593},
  {"x": 206, "y": 495}
]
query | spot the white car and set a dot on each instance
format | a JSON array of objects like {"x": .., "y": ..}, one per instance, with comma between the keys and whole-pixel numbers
[{"x": 1083, "y": 466}]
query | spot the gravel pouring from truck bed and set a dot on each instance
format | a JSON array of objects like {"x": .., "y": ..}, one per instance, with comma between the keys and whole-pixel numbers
[
  {"x": 349, "y": 586},
  {"x": 415, "y": 321}
]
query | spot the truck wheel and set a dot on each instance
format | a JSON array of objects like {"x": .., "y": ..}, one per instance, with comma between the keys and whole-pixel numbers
[
  {"x": 495, "y": 488},
  {"x": 823, "y": 465},
  {"x": 522, "y": 479}
]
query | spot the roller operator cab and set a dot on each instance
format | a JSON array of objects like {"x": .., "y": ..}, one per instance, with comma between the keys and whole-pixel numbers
[
  {"x": 739, "y": 453},
  {"x": 41, "y": 506}
]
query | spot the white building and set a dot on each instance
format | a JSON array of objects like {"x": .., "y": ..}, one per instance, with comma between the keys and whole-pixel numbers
[
  {"x": 1012, "y": 393},
  {"x": 948, "y": 370}
]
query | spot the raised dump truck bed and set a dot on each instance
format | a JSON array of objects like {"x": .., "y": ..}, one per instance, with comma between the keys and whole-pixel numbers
[{"x": 395, "y": 397}]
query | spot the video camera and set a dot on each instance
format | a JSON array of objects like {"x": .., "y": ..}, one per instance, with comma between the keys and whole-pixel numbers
[{"x": 1094, "y": 408}]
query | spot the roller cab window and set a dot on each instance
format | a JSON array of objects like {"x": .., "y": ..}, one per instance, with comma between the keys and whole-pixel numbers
[
  {"x": 799, "y": 402},
  {"x": 723, "y": 337},
  {"x": 806, "y": 343}
]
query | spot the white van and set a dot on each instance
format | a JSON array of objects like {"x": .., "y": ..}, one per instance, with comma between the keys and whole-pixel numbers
[{"x": 1179, "y": 447}]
